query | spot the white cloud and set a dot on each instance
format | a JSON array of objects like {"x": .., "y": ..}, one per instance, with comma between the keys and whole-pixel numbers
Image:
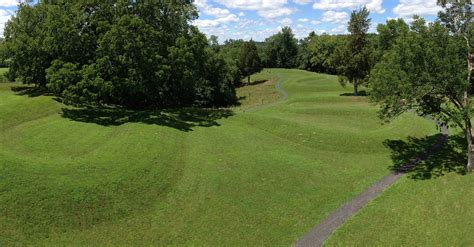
[
  {"x": 286, "y": 22},
  {"x": 316, "y": 23},
  {"x": 302, "y": 2},
  {"x": 216, "y": 22},
  {"x": 335, "y": 17},
  {"x": 222, "y": 15},
  {"x": 372, "y": 5},
  {"x": 303, "y": 32},
  {"x": 208, "y": 9},
  {"x": 339, "y": 29},
  {"x": 252, "y": 4},
  {"x": 266, "y": 8},
  {"x": 206, "y": 23},
  {"x": 5, "y": 15},
  {"x": 8, "y": 3},
  {"x": 274, "y": 13},
  {"x": 241, "y": 14},
  {"x": 408, "y": 8},
  {"x": 303, "y": 20}
]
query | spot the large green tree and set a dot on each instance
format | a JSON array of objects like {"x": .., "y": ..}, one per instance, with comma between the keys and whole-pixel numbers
[
  {"x": 126, "y": 52},
  {"x": 353, "y": 60},
  {"x": 323, "y": 52},
  {"x": 388, "y": 33},
  {"x": 425, "y": 71},
  {"x": 281, "y": 49},
  {"x": 231, "y": 52},
  {"x": 458, "y": 17},
  {"x": 249, "y": 61}
]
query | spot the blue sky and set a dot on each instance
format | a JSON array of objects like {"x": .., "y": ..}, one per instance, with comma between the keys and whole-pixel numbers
[{"x": 258, "y": 19}]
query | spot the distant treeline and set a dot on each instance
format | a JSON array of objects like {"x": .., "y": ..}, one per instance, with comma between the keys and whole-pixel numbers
[{"x": 142, "y": 54}]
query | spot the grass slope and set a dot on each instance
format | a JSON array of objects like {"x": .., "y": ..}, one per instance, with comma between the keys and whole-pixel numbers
[
  {"x": 89, "y": 177},
  {"x": 432, "y": 206}
]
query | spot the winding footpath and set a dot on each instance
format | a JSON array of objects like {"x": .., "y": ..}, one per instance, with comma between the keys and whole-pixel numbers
[{"x": 324, "y": 229}]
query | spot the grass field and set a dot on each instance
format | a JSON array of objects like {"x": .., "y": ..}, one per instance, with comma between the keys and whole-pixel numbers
[
  {"x": 116, "y": 177},
  {"x": 432, "y": 206}
]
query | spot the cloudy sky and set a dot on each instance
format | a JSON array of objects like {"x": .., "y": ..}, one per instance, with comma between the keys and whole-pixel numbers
[
  {"x": 258, "y": 19},
  {"x": 7, "y": 9}
]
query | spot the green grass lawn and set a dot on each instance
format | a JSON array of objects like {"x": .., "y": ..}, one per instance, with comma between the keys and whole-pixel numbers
[
  {"x": 261, "y": 91},
  {"x": 116, "y": 177},
  {"x": 432, "y": 206}
]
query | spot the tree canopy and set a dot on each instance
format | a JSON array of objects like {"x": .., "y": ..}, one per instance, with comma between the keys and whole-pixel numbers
[
  {"x": 428, "y": 69},
  {"x": 281, "y": 49},
  {"x": 132, "y": 53},
  {"x": 353, "y": 60},
  {"x": 249, "y": 61}
]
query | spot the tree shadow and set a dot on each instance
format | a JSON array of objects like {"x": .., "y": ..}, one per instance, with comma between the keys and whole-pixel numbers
[
  {"x": 30, "y": 91},
  {"x": 238, "y": 102},
  {"x": 181, "y": 119},
  {"x": 429, "y": 157},
  {"x": 361, "y": 93},
  {"x": 252, "y": 83}
]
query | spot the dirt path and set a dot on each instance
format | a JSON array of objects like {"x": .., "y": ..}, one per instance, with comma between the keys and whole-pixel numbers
[{"x": 323, "y": 230}]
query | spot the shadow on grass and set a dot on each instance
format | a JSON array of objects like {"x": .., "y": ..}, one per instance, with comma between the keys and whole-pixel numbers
[
  {"x": 433, "y": 163},
  {"x": 361, "y": 93},
  {"x": 181, "y": 119},
  {"x": 252, "y": 83},
  {"x": 30, "y": 91}
]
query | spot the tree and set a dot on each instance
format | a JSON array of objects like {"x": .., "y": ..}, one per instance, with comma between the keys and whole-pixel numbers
[
  {"x": 137, "y": 54},
  {"x": 390, "y": 32},
  {"x": 249, "y": 61},
  {"x": 323, "y": 51},
  {"x": 281, "y": 49},
  {"x": 353, "y": 61},
  {"x": 304, "y": 54},
  {"x": 214, "y": 43},
  {"x": 424, "y": 71},
  {"x": 458, "y": 16},
  {"x": 230, "y": 51}
]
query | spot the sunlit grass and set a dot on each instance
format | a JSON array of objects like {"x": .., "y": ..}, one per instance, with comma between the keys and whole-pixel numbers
[{"x": 263, "y": 177}]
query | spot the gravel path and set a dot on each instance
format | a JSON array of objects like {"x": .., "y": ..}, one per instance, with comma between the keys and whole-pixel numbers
[{"x": 323, "y": 230}]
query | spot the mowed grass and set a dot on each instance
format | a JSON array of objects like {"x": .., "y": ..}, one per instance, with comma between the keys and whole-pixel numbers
[
  {"x": 432, "y": 206},
  {"x": 260, "y": 92},
  {"x": 2, "y": 75},
  {"x": 263, "y": 177}
]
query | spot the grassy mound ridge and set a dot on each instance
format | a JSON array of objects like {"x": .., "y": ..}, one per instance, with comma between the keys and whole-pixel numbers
[{"x": 71, "y": 176}]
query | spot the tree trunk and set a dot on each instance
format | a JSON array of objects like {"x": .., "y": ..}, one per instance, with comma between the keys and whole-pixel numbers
[
  {"x": 356, "y": 92},
  {"x": 470, "y": 151},
  {"x": 467, "y": 107},
  {"x": 248, "y": 80}
]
